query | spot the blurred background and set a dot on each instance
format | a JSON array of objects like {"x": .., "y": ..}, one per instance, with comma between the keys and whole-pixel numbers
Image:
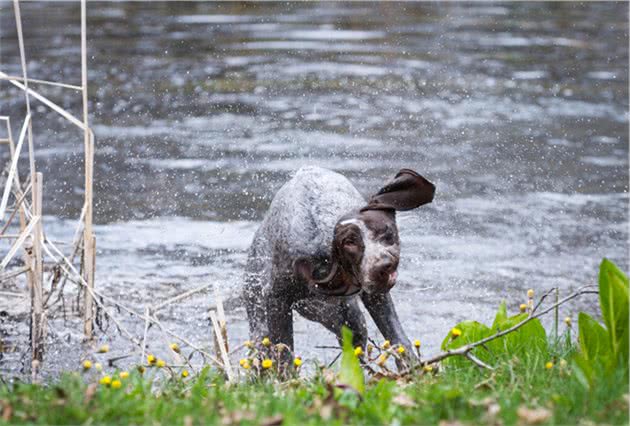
[{"x": 518, "y": 112}]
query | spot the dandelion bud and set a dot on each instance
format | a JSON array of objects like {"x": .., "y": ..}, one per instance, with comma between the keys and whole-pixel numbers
[
  {"x": 141, "y": 369},
  {"x": 267, "y": 363},
  {"x": 103, "y": 349},
  {"x": 567, "y": 321},
  {"x": 266, "y": 341},
  {"x": 456, "y": 332},
  {"x": 105, "y": 381},
  {"x": 175, "y": 347},
  {"x": 358, "y": 351},
  {"x": 116, "y": 384},
  {"x": 151, "y": 359},
  {"x": 297, "y": 361},
  {"x": 87, "y": 364},
  {"x": 386, "y": 344},
  {"x": 185, "y": 373},
  {"x": 549, "y": 365},
  {"x": 428, "y": 368},
  {"x": 522, "y": 307},
  {"x": 401, "y": 350},
  {"x": 123, "y": 374},
  {"x": 370, "y": 348},
  {"x": 416, "y": 343},
  {"x": 530, "y": 293},
  {"x": 243, "y": 361},
  {"x": 160, "y": 363},
  {"x": 382, "y": 359}
]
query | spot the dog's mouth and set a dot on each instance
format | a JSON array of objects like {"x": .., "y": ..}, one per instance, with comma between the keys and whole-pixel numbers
[{"x": 391, "y": 279}]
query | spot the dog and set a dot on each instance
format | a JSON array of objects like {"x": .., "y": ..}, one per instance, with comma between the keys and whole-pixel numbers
[{"x": 321, "y": 247}]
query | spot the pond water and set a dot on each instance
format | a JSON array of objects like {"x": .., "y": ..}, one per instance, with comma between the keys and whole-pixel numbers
[{"x": 518, "y": 112}]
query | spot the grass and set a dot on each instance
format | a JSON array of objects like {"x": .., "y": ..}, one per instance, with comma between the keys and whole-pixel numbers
[{"x": 516, "y": 392}]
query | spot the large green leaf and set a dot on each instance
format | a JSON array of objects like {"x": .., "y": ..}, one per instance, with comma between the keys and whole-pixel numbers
[
  {"x": 471, "y": 331},
  {"x": 614, "y": 300},
  {"x": 593, "y": 339},
  {"x": 351, "y": 373},
  {"x": 501, "y": 315},
  {"x": 529, "y": 339}
]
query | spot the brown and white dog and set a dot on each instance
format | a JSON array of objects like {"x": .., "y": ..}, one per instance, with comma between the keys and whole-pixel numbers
[{"x": 321, "y": 247}]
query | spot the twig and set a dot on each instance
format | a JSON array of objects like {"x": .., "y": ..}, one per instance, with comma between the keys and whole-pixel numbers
[
  {"x": 180, "y": 297},
  {"x": 146, "y": 330}
]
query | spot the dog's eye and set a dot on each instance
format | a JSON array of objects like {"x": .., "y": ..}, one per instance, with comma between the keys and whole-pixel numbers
[{"x": 388, "y": 238}]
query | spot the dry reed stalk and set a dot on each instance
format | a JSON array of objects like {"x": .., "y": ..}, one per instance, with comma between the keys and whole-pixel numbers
[
  {"x": 37, "y": 291},
  {"x": 13, "y": 169},
  {"x": 89, "y": 241},
  {"x": 45, "y": 82},
  {"x": 50, "y": 104},
  {"x": 221, "y": 344},
  {"x": 14, "y": 273},
  {"x": 18, "y": 243}
]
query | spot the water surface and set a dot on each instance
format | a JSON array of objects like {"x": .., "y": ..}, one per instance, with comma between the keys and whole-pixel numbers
[{"x": 517, "y": 111}]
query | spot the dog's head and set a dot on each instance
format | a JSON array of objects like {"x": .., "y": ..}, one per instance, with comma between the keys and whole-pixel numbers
[{"x": 366, "y": 247}]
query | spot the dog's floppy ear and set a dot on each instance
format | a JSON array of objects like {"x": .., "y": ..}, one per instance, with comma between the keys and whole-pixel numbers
[{"x": 406, "y": 191}]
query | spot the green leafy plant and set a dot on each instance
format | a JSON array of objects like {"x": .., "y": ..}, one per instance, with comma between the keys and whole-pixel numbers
[
  {"x": 603, "y": 350},
  {"x": 528, "y": 340}
]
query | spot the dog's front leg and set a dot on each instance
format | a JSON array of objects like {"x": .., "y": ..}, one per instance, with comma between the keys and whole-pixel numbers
[
  {"x": 381, "y": 308},
  {"x": 280, "y": 320}
]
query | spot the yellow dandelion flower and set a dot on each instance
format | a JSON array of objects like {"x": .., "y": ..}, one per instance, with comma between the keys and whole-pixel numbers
[
  {"x": 103, "y": 349},
  {"x": 297, "y": 361},
  {"x": 123, "y": 374},
  {"x": 530, "y": 293},
  {"x": 416, "y": 343},
  {"x": 456, "y": 332},
  {"x": 243, "y": 361},
  {"x": 549, "y": 365},
  {"x": 98, "y": 366},
  {"x": 151, "y": 359},
  {"x": 160, "y": 363},
  {"x": 175, "y": 347},
  {"x": 387, "y": 344},
  {"x": 401, "y": 350},
  {"x": 116, "y": 384},
  {"x": 567, "y": 321},
  {"x": 266, "y": 341},
  {"x": 105, "y": 381},
  {"x": 87, "y": 364},
  {"x": 246, "y": 366},
  {"x": 358, "y": 351},
  {"x": 267, "y": 363},
  {"x": 185, "y": 373},
  {"x": 522, "y": 307}
]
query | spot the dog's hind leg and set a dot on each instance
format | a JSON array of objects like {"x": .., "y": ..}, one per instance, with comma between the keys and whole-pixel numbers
[{"x": 334, "y": 315}]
